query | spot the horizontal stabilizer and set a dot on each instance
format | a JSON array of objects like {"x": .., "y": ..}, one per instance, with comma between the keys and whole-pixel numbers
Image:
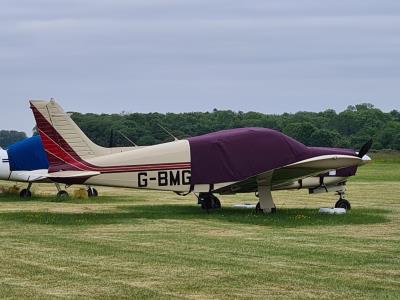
[
  {"x": 72, "y": 174},
  {"x": 40, "y": 175}
]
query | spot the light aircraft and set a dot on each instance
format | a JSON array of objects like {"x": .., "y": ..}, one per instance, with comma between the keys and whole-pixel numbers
[
  {"x": 20, "y": 159},
  {"x": 26, "y": 161},
  {"x": 232, "y": 161}
]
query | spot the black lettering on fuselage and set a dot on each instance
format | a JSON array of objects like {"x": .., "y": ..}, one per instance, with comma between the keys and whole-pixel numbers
[
  {"x": 174, "y": 179},
  {"x": 186, "y": 176},
  {"x": 162, "y": 178},
  {"x": 142, "y": 179},
  {"x": 165, "y": 178}
]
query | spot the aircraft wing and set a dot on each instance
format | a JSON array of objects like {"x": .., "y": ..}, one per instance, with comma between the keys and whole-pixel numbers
[{"x": 293, "y": 172}]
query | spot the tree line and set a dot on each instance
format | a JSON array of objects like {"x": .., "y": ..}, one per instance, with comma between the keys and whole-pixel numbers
[
  {"x": 9, "y": 137},
  {"x": 350, "y": 128}
]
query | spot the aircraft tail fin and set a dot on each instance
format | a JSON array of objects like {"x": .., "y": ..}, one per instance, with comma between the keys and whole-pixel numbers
[
  {"x": 51, "y": 118},
  {"x": 65, "y": 143}
]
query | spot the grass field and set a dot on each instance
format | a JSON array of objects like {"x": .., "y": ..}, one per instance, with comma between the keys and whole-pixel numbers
[{"x": 159, "y": 245}]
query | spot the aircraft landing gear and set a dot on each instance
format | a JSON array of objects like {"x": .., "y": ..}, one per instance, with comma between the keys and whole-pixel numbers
[
  {"x": 61, "y": 193},
  {"x": 259, "y": 210},
  {"x": 266, "y": 203},
  {"x": 342, "y": 203},
  {"x": 92, "y": 192},
  {"x": 26, "y": 193},
  {"x": 208, "y": 201}
]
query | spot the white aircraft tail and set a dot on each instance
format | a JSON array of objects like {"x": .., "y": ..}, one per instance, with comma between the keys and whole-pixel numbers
[{"x": 62, "y": 138}]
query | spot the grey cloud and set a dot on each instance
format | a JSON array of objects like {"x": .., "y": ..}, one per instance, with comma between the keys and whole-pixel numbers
[{"x": 155, "y": 55}]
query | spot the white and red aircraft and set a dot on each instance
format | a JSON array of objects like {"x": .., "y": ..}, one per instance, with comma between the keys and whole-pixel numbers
[{"x": 232, "y": 161}]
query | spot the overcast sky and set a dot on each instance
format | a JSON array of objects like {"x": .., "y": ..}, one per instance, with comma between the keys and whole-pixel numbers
[{"x": 196, "y": 55}]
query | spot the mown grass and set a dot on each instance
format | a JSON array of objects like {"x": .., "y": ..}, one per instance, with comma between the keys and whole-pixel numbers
[
  {"x": 142, "y": 245},
  {"x": 378, "y": 171},
  {"x": 383, "y": 167},
  {"x": 136, "y": 213},
  {"x": 389, "y": 156}
]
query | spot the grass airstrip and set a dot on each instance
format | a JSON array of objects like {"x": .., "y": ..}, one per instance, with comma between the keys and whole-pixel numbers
[{"x": 137, "y": 244}]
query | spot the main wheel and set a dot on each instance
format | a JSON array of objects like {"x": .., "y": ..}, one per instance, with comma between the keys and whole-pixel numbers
[
  {"x": 25, "y": 193},
  {"x": 216, "y": 204},
  {"x": 259, "y": 209},
  {"x": 209, "y": 201},
  {"x": 92, "y": 192},
  {"x": 62, "y": 194},
  {"x": 343, "y": 203}
]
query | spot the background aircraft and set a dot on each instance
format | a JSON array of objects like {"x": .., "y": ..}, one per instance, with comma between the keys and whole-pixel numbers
[
  {"x": 26, "y": 161},
  {"x": 20, "y": 159},
  {"x": 227, "y": 162}
]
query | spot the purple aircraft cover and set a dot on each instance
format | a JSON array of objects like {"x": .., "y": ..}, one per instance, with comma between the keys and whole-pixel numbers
[{"x": 237, "y": 154}]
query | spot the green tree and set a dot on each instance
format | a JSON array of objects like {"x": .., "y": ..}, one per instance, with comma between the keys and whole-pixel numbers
[
  {"x": 350, "y": 128},
  {"x": 301, "y": 131},
  {"x": 9, "y": 137},
  {"x": 396, "y": 142},
  {"x": 324, "y": 138}
]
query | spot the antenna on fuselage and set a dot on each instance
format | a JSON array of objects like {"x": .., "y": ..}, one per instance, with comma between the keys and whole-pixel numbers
[
  {"x": 111, "y": 141},
  {"x": 168, "y": 132},
  {"x": 128, "y": 139}
]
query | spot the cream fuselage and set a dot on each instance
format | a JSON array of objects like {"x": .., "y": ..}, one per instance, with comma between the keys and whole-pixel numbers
[{"x": 156, "y": 178}]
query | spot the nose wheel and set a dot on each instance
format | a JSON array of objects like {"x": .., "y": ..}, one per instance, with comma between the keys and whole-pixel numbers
[
  {"x": 342, "y": 203},
  {"x": 26, "y": 193}
]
